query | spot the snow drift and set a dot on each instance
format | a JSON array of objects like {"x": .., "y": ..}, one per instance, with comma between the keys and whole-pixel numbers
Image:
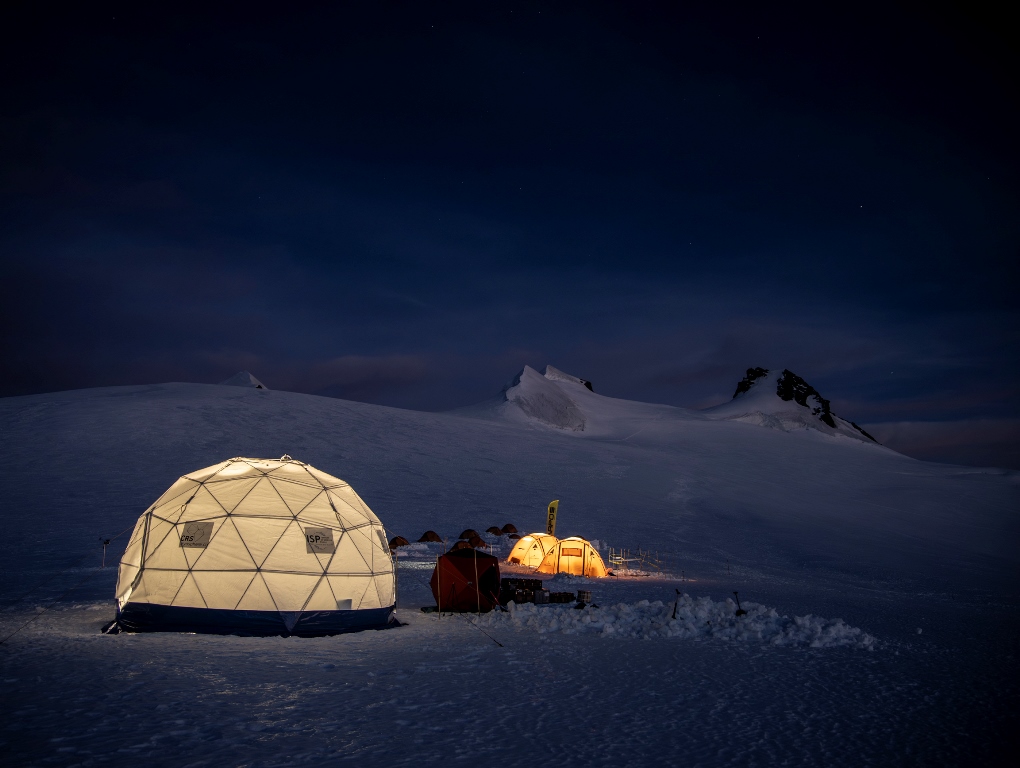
[{"x": 698, "y": 619}]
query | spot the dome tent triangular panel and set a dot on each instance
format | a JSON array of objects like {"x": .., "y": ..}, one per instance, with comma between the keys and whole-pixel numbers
[
  {"x": 189, "y": 595},
  {"x": 201, "y": 475},
  {"x": 319, "y": 511},
  {"x": 290, "y": 548},
  {"x": 159, "y": 586},
  {"x": 268, "y": 561},
  {"x": 256, "y": 597},
  {"x": 260, "y": 534},
  {"x": 296, "y": 495},
  {"x": 263, "y": 499},
  {"x": 322, "y": 598},
  {"x": 230, "y": 492},
  {"x": 226, "y": 551},
  {"x": 175, "y": 496},
  {"x": 222, "y": 589}
]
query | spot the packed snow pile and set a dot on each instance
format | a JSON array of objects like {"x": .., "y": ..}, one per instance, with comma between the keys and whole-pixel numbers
[
  {"x": 784, "y": 401},
  {"x": 695, "y": 620},
  {"x": 243, "y": 379}
]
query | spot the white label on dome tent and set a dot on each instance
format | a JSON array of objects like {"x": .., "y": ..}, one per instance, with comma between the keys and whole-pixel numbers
[
  {"x": 196, "y": 535},
  {"x": 344, "y": 605},
  {"x": 319, "y": 540}
]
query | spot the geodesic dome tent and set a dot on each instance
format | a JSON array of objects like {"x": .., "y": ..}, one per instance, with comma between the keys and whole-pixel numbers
[
  {"x": 574, "y": 556},
  {"x": 531, "y": 549},
  {"x": 257, "y": 547}
]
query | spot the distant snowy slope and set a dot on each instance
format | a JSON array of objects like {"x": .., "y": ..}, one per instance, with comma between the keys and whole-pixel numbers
[
  {"x": 836, "y": 546},
  {"x": 783, "y": 401},
  {"x": 90, "y": 461},
  {"x": 556, "y": 399}
]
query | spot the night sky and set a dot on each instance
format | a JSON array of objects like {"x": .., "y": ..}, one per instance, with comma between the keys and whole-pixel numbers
[{"x": 404, "y": 203}]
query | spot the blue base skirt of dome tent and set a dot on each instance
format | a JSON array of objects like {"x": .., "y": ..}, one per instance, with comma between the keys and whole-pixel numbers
[{"x": 149, "y": 617}]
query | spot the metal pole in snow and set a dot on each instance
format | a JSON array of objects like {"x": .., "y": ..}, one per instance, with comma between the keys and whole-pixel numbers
[{"x": 740, "y": 611}]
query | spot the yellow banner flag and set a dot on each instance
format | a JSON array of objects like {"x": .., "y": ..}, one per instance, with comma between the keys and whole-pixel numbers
[{"x": 550, "y": 521}]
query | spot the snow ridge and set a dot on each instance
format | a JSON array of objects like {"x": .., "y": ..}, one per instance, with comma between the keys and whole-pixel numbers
[{"x": 698, "y": 619}]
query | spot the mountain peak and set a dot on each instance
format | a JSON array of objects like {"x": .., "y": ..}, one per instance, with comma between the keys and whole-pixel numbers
[
  {"x": 775, "y": 401},
  {"x": 244, "y": 379},
  {"x": 538, "y": 397}
]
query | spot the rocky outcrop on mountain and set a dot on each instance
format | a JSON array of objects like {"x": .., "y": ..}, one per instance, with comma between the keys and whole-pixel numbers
[
  {"x": 790, "y": 386},
  {"x": 753, "y": 374}
]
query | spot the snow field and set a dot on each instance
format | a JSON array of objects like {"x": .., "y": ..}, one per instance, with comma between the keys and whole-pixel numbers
[
  {"x": 696, "y": 619},
  {"x": 800, "y": 521}
]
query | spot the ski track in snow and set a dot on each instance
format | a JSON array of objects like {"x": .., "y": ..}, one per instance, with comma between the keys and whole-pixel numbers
[{"x": 800, "y": 523}]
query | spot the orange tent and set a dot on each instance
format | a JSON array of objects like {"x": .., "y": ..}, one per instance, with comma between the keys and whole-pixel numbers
[
  {"x": 529, "y": 550},
  {"x": 574, "y": 556}
]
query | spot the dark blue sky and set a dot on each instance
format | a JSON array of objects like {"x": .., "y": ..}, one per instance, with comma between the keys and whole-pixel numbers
[{"x": 404, "y": 203}]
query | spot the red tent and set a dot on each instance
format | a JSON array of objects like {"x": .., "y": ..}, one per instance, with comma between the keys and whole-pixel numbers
[{"x": 466, "y": 580}]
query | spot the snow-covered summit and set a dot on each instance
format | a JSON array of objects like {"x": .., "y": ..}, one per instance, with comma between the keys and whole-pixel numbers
[
  {"x": 244, "y": 379},
  {"x": 555, "y": 374},
  {"x": 783, "y": 401},
  {"x": 542, "y": 396},
  {"x": 554, "y": 398}
]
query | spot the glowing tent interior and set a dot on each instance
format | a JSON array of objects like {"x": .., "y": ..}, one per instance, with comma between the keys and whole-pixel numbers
[
  {"x": 257, "y": 547},
  {"x": 574, "y": 556},
  {"x": 531, "y": 549}
]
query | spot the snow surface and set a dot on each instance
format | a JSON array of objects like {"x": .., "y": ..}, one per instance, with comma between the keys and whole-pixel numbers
[{"x": 803, "y": 524}]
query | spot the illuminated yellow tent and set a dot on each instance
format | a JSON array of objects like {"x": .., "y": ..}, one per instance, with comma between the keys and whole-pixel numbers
[
  {"x": 574, "y": 556},
  {"x": 529, "y": 550},
  {"x": 257, "y": 547}
]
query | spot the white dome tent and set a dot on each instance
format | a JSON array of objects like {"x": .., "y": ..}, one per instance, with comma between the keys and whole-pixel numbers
[{"x": 257, "y": 547}]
